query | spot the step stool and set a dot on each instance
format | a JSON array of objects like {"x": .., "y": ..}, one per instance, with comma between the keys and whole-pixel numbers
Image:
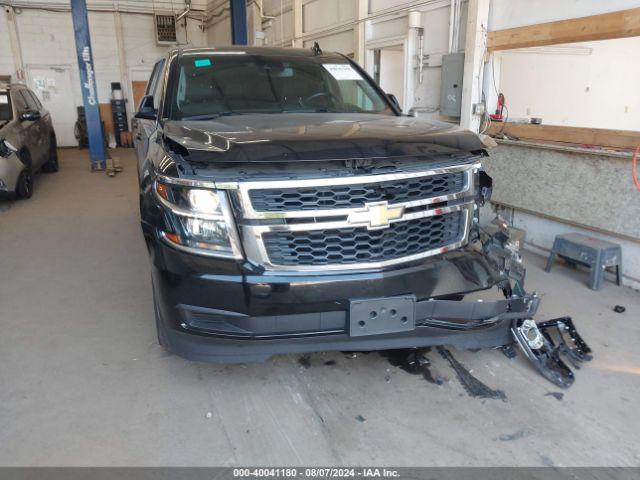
[{"x": 591, "y": 252}]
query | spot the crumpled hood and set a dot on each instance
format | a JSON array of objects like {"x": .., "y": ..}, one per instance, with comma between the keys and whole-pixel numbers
[{"x": 313, "y": 137}]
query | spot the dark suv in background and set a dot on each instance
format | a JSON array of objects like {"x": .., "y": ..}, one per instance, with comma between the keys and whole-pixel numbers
[{"x": 289, "y": 206}]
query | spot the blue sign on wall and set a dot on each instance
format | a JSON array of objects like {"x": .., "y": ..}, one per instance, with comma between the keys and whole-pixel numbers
[{"x": 88, "y": 83}]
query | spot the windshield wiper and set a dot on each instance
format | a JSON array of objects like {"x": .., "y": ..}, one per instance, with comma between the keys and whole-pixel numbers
[
  {"x": 308, "y": 110},
  {"x": 211, "y": 116}
]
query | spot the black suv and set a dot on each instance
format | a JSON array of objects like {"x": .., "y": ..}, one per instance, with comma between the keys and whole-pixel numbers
[{"x": 289, "y": 206}]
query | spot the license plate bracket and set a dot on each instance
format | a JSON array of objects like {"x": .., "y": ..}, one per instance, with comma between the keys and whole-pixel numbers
[{"x": 377, "y": 316}]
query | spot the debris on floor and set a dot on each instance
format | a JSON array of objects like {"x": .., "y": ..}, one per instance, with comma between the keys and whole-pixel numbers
[
  {"x": 508, "y": 437},
  {"x": 305, "y": 361},
  {"x": 473, "y": 386},
  {"x": 619, "y": 309},
  {"x": 360, "y": 418},
  {"x": 414, "y": 362},
  {"x": 556, "y": 395}
]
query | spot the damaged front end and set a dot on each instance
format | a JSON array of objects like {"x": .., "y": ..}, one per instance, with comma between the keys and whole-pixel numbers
[{"x": 545, "y": 344}]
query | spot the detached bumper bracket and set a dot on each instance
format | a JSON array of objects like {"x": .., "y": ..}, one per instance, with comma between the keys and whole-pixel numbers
[{"x": 544, "y": 343}]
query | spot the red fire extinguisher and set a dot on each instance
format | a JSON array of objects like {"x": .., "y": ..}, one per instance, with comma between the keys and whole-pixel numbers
[{"x": 499, "y": 108}]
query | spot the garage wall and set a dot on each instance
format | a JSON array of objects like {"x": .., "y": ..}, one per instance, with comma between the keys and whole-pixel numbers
[
  {"x": 550, "y": 190},
  {"x": 391, "y": 62},
  {"x": 581, "y": 92},
  {"x": 335, "y": 24},
  {"x": 518, "y": 13},
  {"x": 46, "y": 40}
]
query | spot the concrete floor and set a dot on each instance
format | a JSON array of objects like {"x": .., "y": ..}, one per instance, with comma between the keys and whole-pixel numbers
[{"x": 84, "y": 382}]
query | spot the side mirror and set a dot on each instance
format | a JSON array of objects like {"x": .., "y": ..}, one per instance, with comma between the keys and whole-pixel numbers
[
  {"x": 146, "y": 110},
  {"x": 394, "y": 100},
  {"x": 30, "y": 116},
  {"x": 6, "y": 148}
]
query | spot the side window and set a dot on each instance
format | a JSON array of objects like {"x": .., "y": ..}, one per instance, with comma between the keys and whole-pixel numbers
[
  {"x": 152, "y": 78},
  {"x": 18, "y": 100},
  {"x": 157, "y": 85},
  {"x": 35, "y": 99},
  {"x": 29, "y": 100},
  {"x": 154, "y": 81}
]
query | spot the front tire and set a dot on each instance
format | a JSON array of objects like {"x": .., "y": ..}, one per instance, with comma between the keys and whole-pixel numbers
[
  {"x": 52, "y": 164},
  {"x": 24, "y": 187},
  {"x": 162, "y": 335}
]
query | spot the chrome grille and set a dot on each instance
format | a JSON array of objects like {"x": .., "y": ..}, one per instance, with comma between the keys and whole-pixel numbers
[
  {"x": 355, "y": 222},
  {"x": 346, "y": 246},
  {"x": 351, "y": 196}
]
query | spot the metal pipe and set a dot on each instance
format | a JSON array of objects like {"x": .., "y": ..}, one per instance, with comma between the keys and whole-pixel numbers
[
  {"x": 185, "y": 12},
  {"x": 456, "y": 23},
  {"x": 415, "y": 24},
  {"x": 420, "y": 55},
  {"x": 452, "y": 20}
]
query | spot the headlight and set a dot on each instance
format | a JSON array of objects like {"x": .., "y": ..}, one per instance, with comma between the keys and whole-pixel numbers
[
  {"x": 201, "y": 219},
  {"x": 204, "y": 201}
]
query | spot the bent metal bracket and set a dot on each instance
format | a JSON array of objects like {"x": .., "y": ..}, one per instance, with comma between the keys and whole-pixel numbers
[{"x": 545, "y": 344}]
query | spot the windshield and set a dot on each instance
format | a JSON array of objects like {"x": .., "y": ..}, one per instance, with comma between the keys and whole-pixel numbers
[{"x": 226, "y": 83}]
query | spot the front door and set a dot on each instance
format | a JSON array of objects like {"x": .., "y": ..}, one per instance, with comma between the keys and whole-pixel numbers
[
  {"x": 142, "y": 128},
  {"x": 53, "y": 86}
]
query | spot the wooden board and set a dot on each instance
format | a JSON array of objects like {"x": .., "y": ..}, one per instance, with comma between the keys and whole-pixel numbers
[
  {"x": 625, "y": 23},
  {"x": 625, "y": 139},
  {"x": 138, "y": 88}
]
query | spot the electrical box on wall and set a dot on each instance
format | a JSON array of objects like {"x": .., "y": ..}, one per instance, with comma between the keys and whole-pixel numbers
[
  {"x": 165, "y": 29},
  {"x": 452, "y": 75}
]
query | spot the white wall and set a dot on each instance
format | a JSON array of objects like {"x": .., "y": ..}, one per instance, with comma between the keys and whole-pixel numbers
[
  {"x": 332, "y": 23},
  {"x": 518, "y": 13},
  {"x": 46, "y": 39},
  {"x": 554, "y": 87},
  {"x": 392, "y": 71},
  {"x": 582, "y": 85},
  {"x": 279, "y": 30}
]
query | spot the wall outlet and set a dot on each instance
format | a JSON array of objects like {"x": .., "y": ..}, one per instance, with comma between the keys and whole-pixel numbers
[{"x": 478, "y": 109}]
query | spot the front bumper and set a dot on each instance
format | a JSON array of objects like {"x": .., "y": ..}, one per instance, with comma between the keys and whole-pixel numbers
[
  {"x": 10, "y": 168},
  {"x": 224, "y": 311},
  {"x": 459, "y": 324}
]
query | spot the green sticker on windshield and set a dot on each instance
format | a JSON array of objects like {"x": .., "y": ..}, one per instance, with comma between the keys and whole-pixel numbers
[{"x": 202, "y": 62}]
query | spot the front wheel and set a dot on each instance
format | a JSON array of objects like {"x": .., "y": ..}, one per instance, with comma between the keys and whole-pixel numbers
[
  {"x": 24, "y": 187},
  {"x": 162, "y": 336},
  {"x": 52, "y": 164}
]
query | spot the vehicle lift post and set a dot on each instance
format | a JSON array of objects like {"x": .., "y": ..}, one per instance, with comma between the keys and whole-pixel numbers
[
  {"x": 88, "y": 85},
  {"x": 238, "y": 21}
]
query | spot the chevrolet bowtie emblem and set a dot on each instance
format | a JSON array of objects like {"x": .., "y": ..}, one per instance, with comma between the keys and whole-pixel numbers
[{"x": 375, "y": 215}]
